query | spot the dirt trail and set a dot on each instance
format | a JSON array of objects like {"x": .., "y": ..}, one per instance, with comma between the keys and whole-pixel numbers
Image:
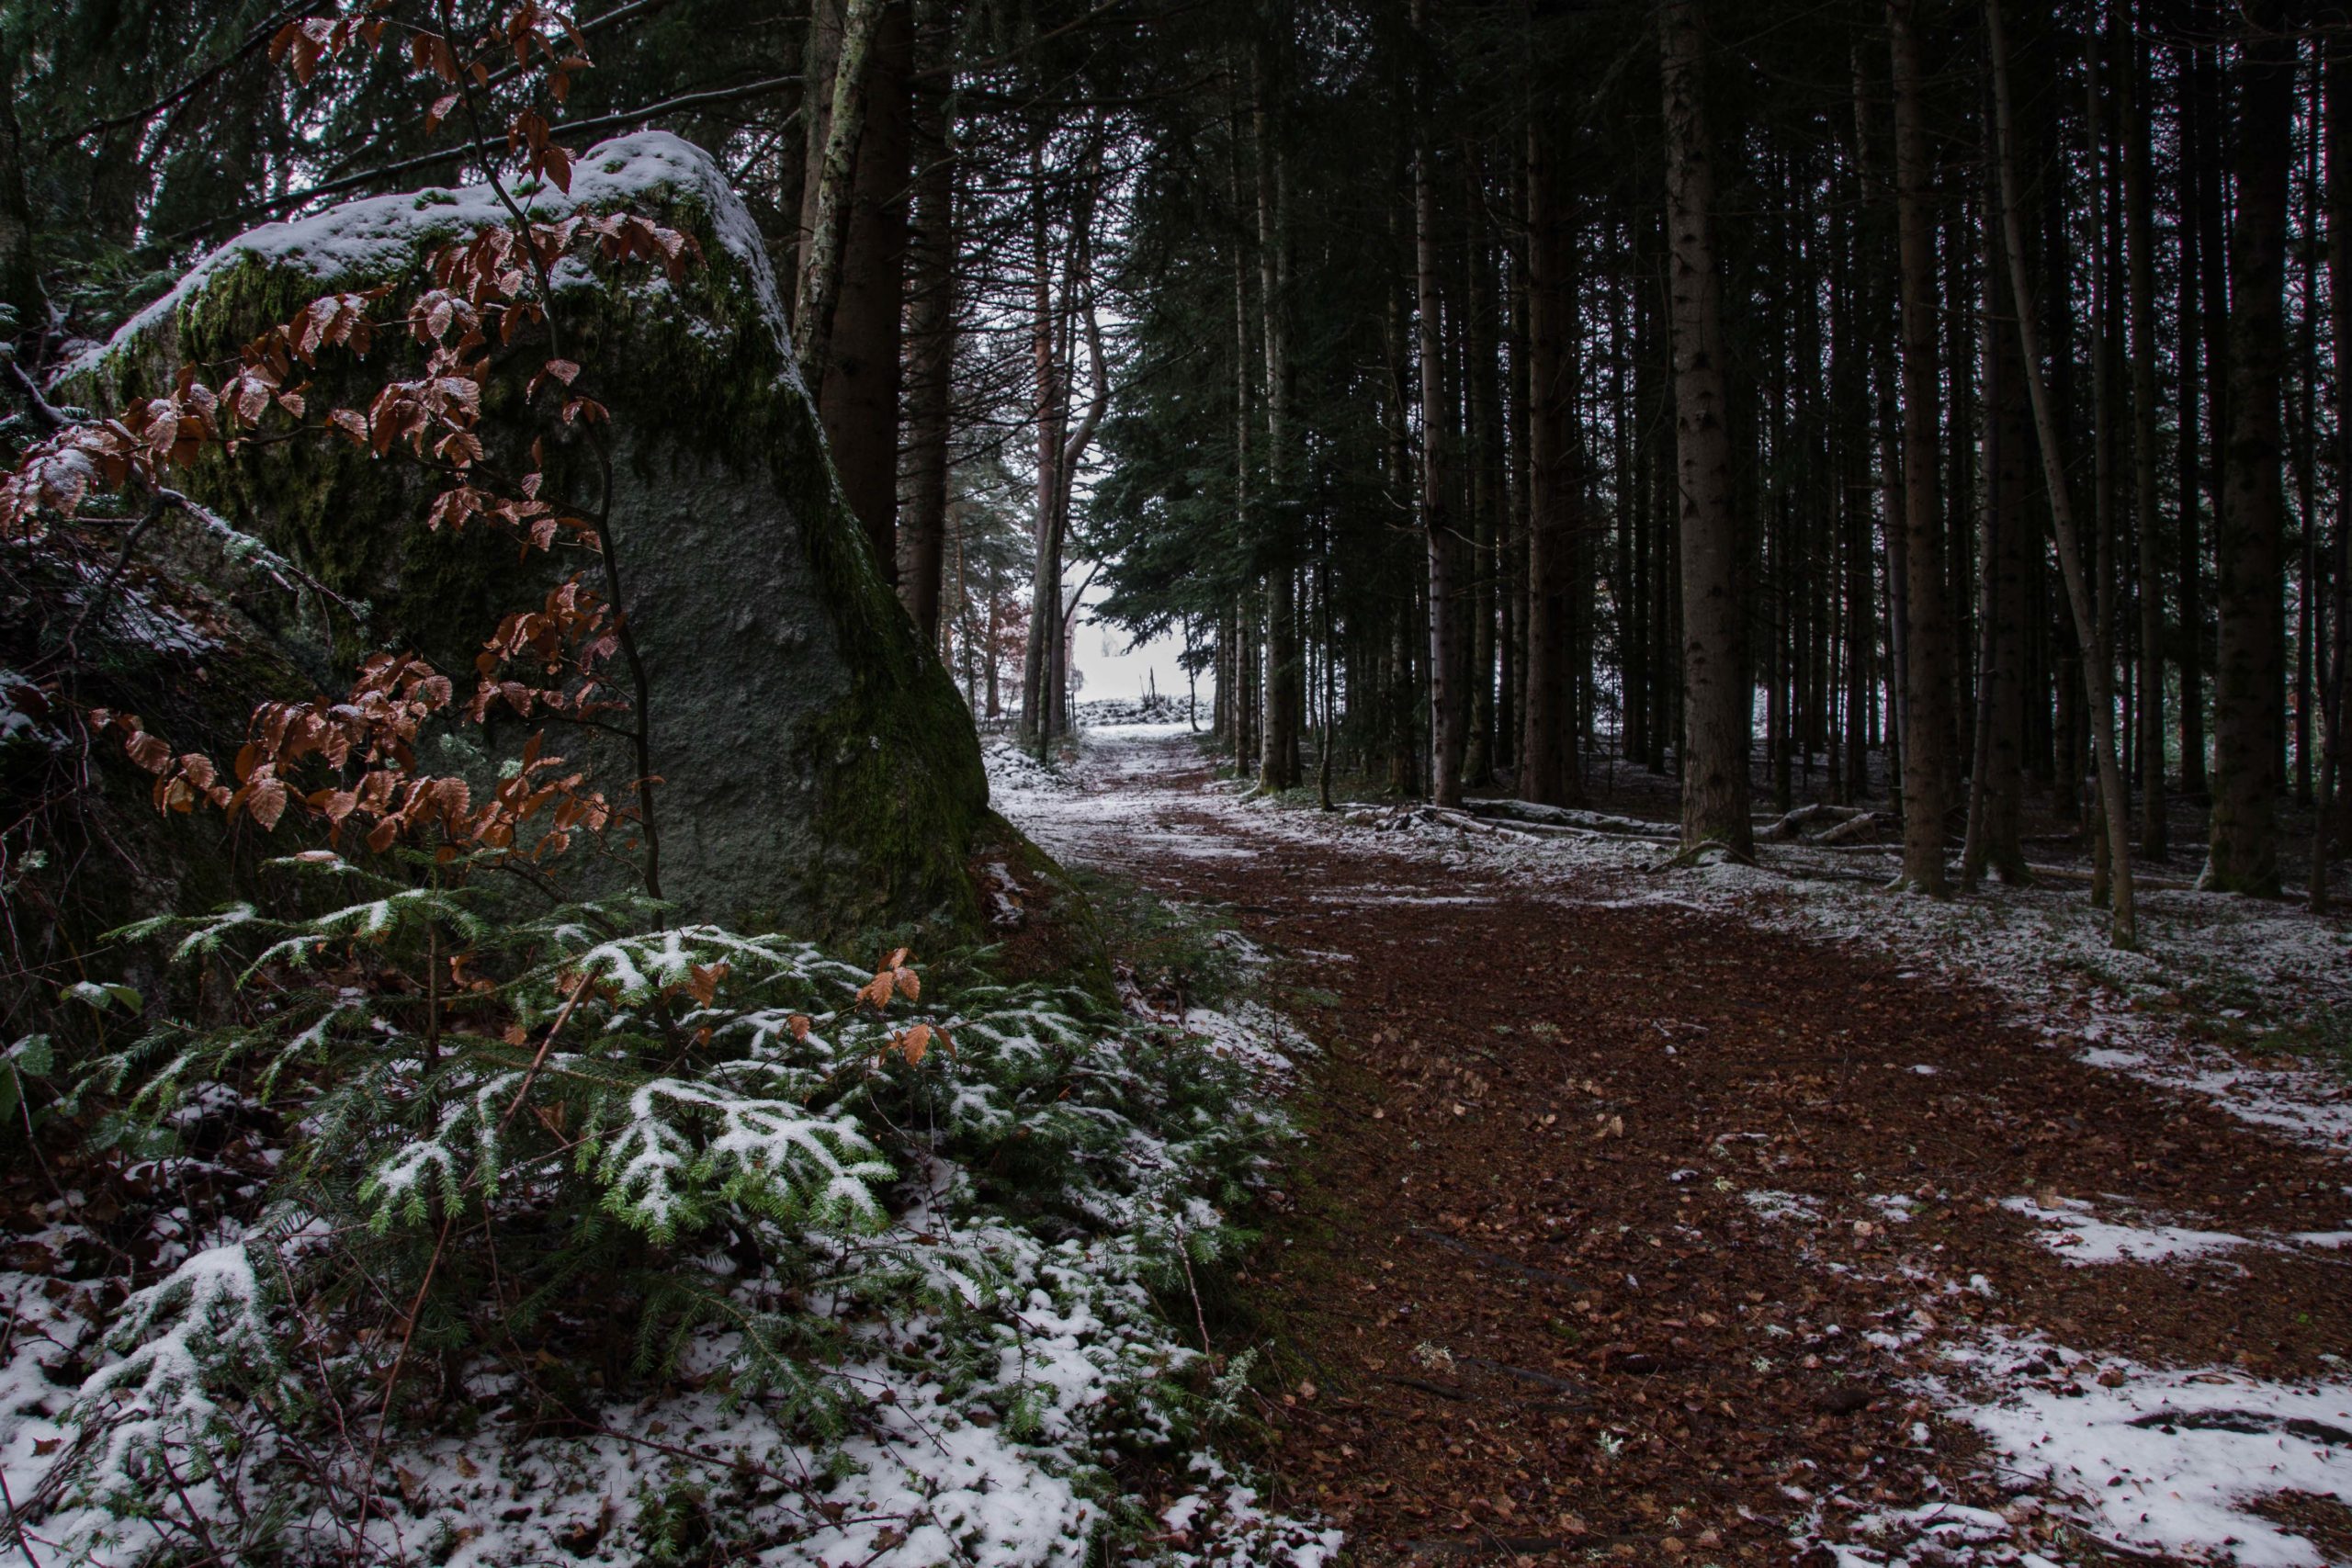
[{"x": 1628, "y": 1230}]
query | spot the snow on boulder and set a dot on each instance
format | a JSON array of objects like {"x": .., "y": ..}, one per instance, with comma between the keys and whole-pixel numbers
[{"x": 818, "y": 770}]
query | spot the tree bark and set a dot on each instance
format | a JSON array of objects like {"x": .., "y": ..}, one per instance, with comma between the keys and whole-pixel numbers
[
  {"x": 1050, "y": 409},
  {"x": 930, "y": 359},
  {"x": 1545, "y": 775},
  {"x": 1997, "y": 780},
  {"x": 1481, "y": 367},
  {"x": 1716, "y": 697},
  {"x": 1448, "y": 716},
  {"x": 829, "y": 195},
  {"x": 2123, "y": 926},
  {"x": 2138, "y": 231},
  {"x": 2339, "y": 272},
  {"x": 1928, "y": 769},
  {"x": 19, "y": 275},
  {"x": 858, "y": 401},
  {"x": 1278, "y": 760},
  {"x": 2242, "y": 855},
  {"x": 2005, "y": 547},
  {"x": 2206, "y": 91}
]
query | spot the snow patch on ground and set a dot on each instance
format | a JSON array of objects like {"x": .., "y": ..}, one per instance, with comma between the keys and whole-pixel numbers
[
  {"x": 1792, "y": 1207},
  {"x": 2070, "y": 1229},
  {"x": 1252, "y": 1034},
  {"x": 2168, "y": 1461}
]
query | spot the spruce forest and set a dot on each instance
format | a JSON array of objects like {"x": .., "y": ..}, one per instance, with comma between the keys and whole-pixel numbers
[{"x": 1224, "y": 784}]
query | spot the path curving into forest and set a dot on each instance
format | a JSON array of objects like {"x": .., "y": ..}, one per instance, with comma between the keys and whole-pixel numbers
[{"x": 1631, "y": 1230}]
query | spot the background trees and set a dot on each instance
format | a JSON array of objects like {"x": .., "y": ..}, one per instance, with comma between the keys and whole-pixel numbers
[{"x": 1367, "y": 348}]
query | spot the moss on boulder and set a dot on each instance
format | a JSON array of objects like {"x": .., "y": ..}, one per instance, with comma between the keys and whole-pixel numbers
[{"x": 818, "y": 769}]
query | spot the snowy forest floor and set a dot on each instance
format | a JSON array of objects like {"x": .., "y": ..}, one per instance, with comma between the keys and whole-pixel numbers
[{"x": 1724, "y": 1215}]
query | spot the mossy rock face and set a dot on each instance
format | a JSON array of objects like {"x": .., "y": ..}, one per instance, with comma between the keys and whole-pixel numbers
[{"x": 818, "y": 768}]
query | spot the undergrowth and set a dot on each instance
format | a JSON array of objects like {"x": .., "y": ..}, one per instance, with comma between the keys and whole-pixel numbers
[{"x": 812, "y": 1253}]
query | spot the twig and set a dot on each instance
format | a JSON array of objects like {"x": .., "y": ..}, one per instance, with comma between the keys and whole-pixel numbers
[
  {"x": 105, "y": 591},
  {"x": 15, "y": 1524},
  {"x": 46, "y": 414},
  {"x": 531, "y": 1074},
  {"x": 408, "y": 1336},
  {"x": 1183, "y": 1256},
  {"x": 488, "y": 145}
]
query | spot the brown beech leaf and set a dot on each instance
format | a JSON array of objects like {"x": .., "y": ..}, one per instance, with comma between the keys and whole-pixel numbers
[
  {"x": 149, "y": 752},
  {"x": 702, "y": 981},
  {"x": 266, "y": 803}
]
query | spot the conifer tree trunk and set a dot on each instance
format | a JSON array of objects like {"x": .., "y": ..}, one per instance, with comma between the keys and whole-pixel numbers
[
  {"x": 930, "y": 358},
  {"x": 1448, "y": 715},
  {"x": 859, "y": 397},
  {"x": 2008, "y": 529},
  {"x": 1050, "y": 406},
  {"x": 2138, "y": 227},
  {"x": 2243, "y": 852},
  {"x": 1715, "y": 694},
  {"x": 19, "y": 275},
  {"x": 1481, "y": 362},
  {"x": 2102, "y": 347},
  {"x": 1406, "y": 752},
  {"x": 1928, "y": 769},
  {"x": 1972, "y": 853},
  {"x": 2123, "y": 928},
  {"x": 827, "y": 197},
  {"x": 1545, "y": 775},
  {"x": 2325, "y": 826},
  {"x": 2212, "y": 140},
  {"x": 1246, "y": 696},
  {"x": 1511, "y": 565},
  {"x": 1278, "y": 762}
]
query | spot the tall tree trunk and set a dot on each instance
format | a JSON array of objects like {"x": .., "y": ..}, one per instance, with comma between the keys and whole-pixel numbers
[
  {"x": 990, "y": 662},
  {"x": 2243, "y": 854},
  {"x": 1545, "y": 776},
  {"x": 1715, "y": 695},
  {"x": 930, "y": 358},
  {"x": 1481, "y": 367},
  {"x": 2123, "y": 926},
  {"x": 1406, "y": 751},
  {"x": 2332, "y": 692},
  {"x": 1928, "y": 769},
  {"x": 828, "y": 196},
  {"x": 1278, "y": 762},
  {"x": 2138, "y": 231},
  {"x": 2213, "y": 315},
  {"x": 858, "y": 399},
  {"x": 2102, "y": 336},
  {"x": 19, "y": 275},
  {"x": 1245, "y": 693},
  {"x": 1511, "y": 563},
  {"x": 2007, "y": 530},
  {"x": 1050, "y": 409},
  {"x": 1448, "y": 713},
  {"x": 1079, "y": 310}
]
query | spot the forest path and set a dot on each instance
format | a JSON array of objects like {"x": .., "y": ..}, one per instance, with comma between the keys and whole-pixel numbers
[{"x": 1637, "y": 1231}]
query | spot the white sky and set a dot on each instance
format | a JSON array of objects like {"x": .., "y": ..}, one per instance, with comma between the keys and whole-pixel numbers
[{"x": 1112, "y": 670}]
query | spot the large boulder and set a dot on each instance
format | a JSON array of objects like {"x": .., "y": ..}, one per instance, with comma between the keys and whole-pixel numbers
[{"x": 818, "y": 770}]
